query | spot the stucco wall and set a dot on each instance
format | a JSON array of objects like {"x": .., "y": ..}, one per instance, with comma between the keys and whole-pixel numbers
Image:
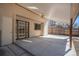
[
  {"x": 6, "y": 30},
  {"x": 31, "y": 26},
  {"x": 11, "y": 10},
  {"x": 34, "y": 32}
]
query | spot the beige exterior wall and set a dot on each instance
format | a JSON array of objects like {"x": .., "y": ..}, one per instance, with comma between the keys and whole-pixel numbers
[
  {"x": 11, "y": 10},
  {"x": 6, "y": 30},
  {"x": 32, "y": 31},
  {"x": 31, "y": 26}
]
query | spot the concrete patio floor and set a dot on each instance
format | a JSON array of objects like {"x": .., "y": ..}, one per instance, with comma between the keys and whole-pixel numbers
[
  {"x": 12, "y": 50},
  {"x": 76, "y": 44},
  {"x": 51, "y": 45}
]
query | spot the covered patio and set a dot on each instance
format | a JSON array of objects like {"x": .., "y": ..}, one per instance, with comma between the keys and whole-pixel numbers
[
  {"x": 51, "y": 45},
  {"x": 27, "y": 31}
]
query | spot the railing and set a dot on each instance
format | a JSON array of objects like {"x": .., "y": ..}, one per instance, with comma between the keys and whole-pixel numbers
[{"x": 61, "y": 31}]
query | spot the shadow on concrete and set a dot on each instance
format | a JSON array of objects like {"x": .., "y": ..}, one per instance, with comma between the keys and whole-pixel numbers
[
  {"x": 2, "y": 52},
  {"x": 76, "y": 45},
  {"x": 45, "y": 46}
]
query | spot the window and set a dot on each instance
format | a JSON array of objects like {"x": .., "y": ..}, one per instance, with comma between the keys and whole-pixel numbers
[{"x": 37, "y": 26}]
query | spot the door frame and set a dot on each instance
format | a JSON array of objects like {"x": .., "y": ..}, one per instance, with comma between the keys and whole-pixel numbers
[{"x": 25, "y": 28}]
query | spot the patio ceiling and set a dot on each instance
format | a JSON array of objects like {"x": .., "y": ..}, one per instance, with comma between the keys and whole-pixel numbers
[{"x": 53, "y": 11}]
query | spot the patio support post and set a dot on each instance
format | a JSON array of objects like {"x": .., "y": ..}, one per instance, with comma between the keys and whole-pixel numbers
[{"x": 71, "y": 33}]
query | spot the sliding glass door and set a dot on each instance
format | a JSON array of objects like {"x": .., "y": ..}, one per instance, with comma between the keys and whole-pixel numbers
[{"x": 22, "y": 29}]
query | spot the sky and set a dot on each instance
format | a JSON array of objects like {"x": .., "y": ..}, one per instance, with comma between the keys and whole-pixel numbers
[{"x": 77, "y": 22}]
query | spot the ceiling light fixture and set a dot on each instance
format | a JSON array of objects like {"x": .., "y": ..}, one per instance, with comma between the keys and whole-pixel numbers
[{"x": 31, "y": 7}]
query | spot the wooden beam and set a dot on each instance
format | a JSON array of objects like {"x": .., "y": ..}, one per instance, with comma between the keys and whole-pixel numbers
[{"x": 70, "y": 33}]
